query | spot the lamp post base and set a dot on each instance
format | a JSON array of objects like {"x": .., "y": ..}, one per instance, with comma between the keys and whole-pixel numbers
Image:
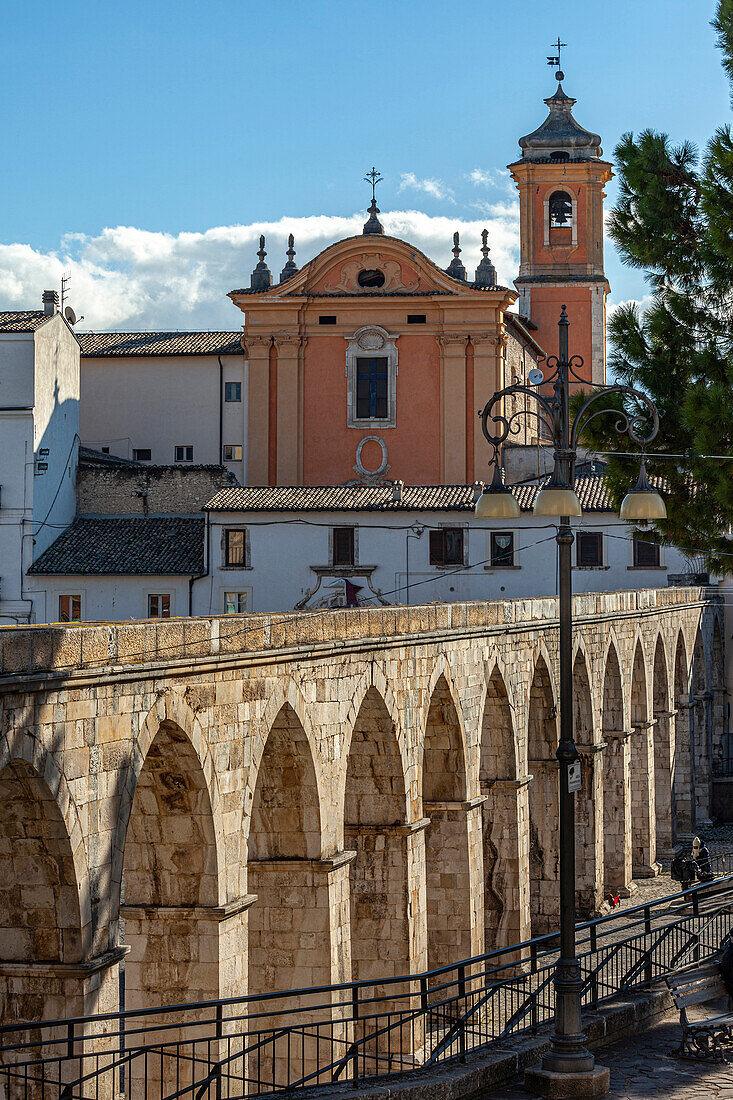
[{"x": 545, "y": 1082}]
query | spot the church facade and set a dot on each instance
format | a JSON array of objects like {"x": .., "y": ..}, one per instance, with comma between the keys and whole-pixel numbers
[{"x": 371, "y": 362}]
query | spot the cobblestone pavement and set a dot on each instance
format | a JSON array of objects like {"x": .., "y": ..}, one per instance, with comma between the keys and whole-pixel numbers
[{"x": 642, "y": 1067}]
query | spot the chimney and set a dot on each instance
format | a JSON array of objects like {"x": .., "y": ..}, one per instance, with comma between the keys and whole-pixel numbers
[
  {"x": 50, "y": 302},
  {"x": 397, "y": 487}
]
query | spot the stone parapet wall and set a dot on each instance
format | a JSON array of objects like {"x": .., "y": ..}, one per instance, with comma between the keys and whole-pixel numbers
[{"x": 80, "y": 646}]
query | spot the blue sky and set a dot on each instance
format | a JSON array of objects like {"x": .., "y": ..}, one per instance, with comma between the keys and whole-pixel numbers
[{"x": 146, "y": 144}]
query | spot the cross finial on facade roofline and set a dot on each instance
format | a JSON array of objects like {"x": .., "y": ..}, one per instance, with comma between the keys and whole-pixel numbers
[{"x": 374, "y": 178}]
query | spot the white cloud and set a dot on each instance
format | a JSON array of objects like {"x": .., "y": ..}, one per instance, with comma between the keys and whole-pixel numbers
[
  {"x": 129, "y": 278},
  {"x": 642, "y": 303},
  {"x": 435, "y": 188},
  {"x": 492, "y": 177}
]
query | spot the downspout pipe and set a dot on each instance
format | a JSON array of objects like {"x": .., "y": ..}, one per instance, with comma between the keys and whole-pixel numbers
[
  {"x": 221, "y": 412},
  {"x": 197, "y": 576}
]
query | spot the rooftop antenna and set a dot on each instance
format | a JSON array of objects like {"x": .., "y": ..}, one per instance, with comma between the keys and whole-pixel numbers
[
  {"x": 65, "y": 282},
  {"x": 68, "y": 312},
  {"x": 554, "y": 59}
]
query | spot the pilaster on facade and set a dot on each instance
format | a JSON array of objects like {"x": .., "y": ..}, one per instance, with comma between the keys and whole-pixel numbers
[
  {"x": 257, "y": 348},
  {"x": 453, "y": 407},
  {"x": 290, "y": 348}
]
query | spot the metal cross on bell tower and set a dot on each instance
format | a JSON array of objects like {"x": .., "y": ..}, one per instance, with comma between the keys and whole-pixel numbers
[{"x": 554, "y": 59}]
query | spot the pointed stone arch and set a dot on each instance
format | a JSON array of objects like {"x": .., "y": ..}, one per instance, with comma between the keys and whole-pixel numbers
[
  {"x": 375, "y": 683},
  {"x": 284, "y": 865},
  {"x": 40, "y": 911},
  {"x": 289, "y": 933},
  {"x": 664, "y": 751},
  {"x": 701, "y": 716},
  {"x": 542, "y": 741},
  {"x": 643, "y": 813},
  {"x": 171, "y": 865},
  {"x": 20, "y": 746},
  {"x": 376, "y": 829},
  {"x": 454, "y": 911},
  {"x": 615, "y": 734},
  {"x": 441, "y": 681},
  {"x": 170, "y": 710},
  {"x": 684, "y": 777},
  {"x": 504, "y": 811},
  {"x": 287, "y": 697},
  {"x": 588, "y": 804},
  {"x": 721, "y": 751}
]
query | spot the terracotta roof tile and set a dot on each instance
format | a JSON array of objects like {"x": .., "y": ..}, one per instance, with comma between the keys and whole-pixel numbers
[
  {"x": 103, "y": 344},
  {"x": 379, "y": 498},
  {"x": 21, "y": 320},
  {"x": 125, "y": 545}
]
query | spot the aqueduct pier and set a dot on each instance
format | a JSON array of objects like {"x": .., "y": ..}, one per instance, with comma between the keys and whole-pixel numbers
[{"x": 265, "y": 802}]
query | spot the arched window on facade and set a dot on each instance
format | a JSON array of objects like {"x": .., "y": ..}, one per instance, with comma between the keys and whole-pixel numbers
[{"x": 561, "y": 210}]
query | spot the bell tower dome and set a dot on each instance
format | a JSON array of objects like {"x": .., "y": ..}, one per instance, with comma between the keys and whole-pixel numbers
[{"x": 561, "y": 177}]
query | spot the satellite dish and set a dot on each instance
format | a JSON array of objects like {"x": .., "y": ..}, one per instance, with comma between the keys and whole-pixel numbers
[
  {"x": 536, "y": 377},
  {"x": 70, "y": 315}
]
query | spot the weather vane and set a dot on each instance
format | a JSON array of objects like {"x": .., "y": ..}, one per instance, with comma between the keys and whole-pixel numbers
[
  {"x": 554, "y": 59},
  {"x": 374, "y": 178}
]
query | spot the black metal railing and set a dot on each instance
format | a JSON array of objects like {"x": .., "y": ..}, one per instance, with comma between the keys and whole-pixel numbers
[{"x": 287, "y": 1041}]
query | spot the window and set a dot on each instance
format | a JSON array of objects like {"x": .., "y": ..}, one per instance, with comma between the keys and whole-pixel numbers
[
  {"x": 327, "y": 319},
  {"x": 371, "y": 378},
  {"x": 416, "y": 318},
  {"x": 589, "y": 549},
  {"x": 235, "y": 602},
  {"x": 371, "y": 388},
  {"x": 559, "y": 157},
  {"x": 370, "y": 278},
  {"x": 235, "y": 546},
  {"x": 184, "y": 454},
  {"x": 502, "y": 549},
  {"x": 69, "y": 609},
  {"x": 342, "y": 546},
  {"x": 105, "y": 450},
  {"x": 561, "y": 210},
  {"x": 232, "y": 391},
  {"x": 159, "y": 606},
  {"x": 142, "y": 454},
  {"x": 232, "y": 452},
  {"x": 646, "y": 554},
  {"x": 446, "y": 546}
]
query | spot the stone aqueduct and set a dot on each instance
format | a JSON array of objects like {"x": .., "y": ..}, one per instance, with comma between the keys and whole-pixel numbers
[{"x": 279, "y": 801}]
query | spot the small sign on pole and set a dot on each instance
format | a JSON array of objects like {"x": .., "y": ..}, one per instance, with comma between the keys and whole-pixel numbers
[{"x": 574, "y": 779}]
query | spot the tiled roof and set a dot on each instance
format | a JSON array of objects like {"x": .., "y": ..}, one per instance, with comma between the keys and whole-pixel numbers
[
  {"x": 126, "y": 545},
  {"x": 102, "y": 344},
  {"x": 21, "y": 320},
  {"x": 379, "y": 498},
  {"x": 88, "y": 456}
]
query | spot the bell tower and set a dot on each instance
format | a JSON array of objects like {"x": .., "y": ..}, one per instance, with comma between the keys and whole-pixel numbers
[{"x": 561, "y": 177}]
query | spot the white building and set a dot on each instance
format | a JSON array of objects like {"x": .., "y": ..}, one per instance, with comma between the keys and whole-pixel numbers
[
  {"x": 278, "y": 548},
  {"x": 166, "y": 397},
  {"x": 39, "y": 437}
]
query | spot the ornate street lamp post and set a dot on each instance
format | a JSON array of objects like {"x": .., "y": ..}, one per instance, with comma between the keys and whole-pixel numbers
[{"x": 568, "y": 1069}]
